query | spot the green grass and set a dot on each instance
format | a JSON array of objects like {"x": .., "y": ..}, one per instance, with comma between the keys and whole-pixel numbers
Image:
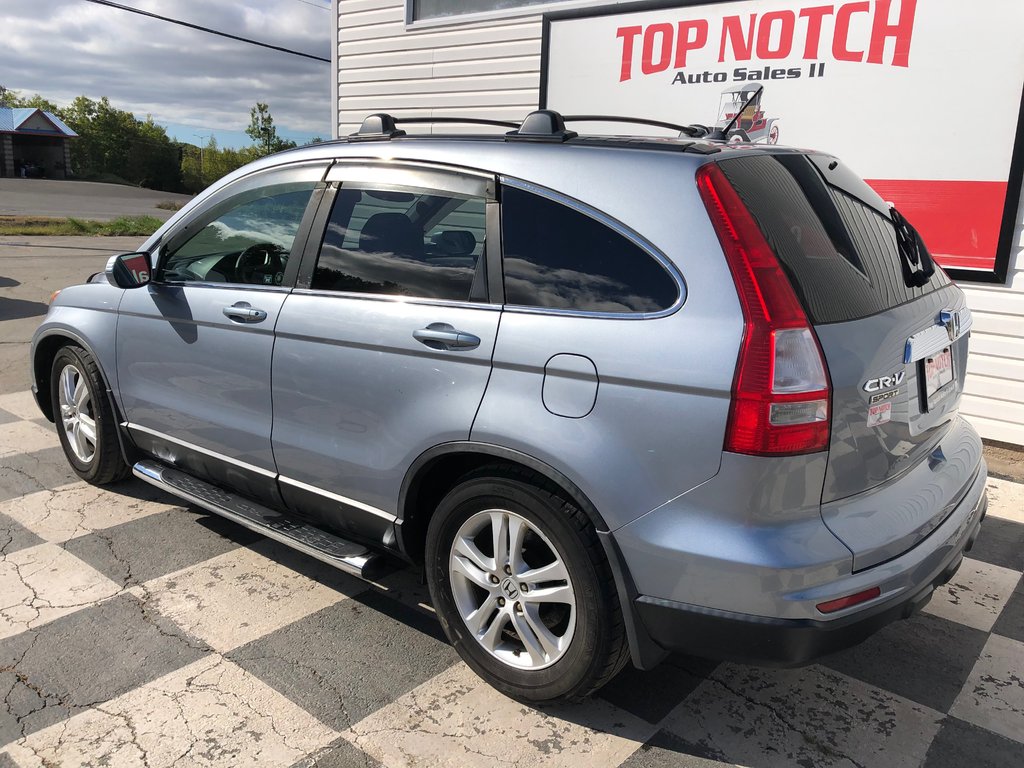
[{"x": 125, "y": 226}]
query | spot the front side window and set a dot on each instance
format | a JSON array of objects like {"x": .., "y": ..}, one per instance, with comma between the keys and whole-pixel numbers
[
  {"x": 560, "y": 258},
  {"x": 248, "y": 242},
  {"x": 404, "y": 242}
]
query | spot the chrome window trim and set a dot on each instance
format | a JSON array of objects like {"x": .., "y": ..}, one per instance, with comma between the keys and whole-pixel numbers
[
  {"x": 225, "y": 286},
  {"x": 199, "y": 449},
  {"x": 616, "y": 226},
  {"x": 337, "y": 497},
  {"x": 490, "y": 306}
]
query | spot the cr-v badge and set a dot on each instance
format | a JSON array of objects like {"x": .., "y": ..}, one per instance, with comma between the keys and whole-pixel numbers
[{"x": 884, "y": 382}]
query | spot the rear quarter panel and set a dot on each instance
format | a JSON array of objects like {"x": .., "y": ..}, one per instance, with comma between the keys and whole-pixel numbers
[{"x": 662, "y": 383}]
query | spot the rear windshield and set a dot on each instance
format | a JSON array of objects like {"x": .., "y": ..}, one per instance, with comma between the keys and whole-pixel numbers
[{"x": 831, "y": 232}]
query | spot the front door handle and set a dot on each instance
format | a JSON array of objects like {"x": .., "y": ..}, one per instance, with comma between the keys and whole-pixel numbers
[
  {"x": 444, "y": 336},
  {"x": 244, "y": 312}
]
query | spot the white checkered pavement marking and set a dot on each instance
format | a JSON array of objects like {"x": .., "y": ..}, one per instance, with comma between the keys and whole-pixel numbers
[
  {"x": 21, "y": 404},
  {"x": 993, "y": 696},
  {"x": 76, "y": 510},
  {"x": 211, "y": 712},
  {"x": 456, "y": 719},
  {"x": 1006, "y": 499},
  {"x": 45, "y": 582},
  {"x": 976, "y": 595},
  {"x": 25, "y": 437},
  {"x": 782, "y": 718},
  {"x": 237, "y": 597}
]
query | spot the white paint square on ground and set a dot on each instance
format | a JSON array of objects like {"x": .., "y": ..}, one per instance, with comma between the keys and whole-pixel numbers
[
  {"x": 209, "y": 713},
  {"x": 993, "y": 696},
  {"x": 456, "y": 719},
  {"x": 21, "y": 404},
  {"x": 76, "y": 510},
  {"x": 234, "y": 598},
  {"x": 1006, "y": 499},
  {"x": 26, "y": 437},
  {"x": 809, "y": 716},
  {"x": 42, "y": 583},
  {"x": 976, "y": 595}
]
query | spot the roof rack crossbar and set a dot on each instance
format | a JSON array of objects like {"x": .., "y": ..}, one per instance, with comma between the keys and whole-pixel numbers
[
  {"x": 456, "y": 120},
  {"x": 689, "y": 130}
]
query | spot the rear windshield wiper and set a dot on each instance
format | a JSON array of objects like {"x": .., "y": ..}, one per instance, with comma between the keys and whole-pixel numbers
[{"x": 915, "y": 260}]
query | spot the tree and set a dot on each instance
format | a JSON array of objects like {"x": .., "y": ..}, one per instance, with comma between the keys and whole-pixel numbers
[
  {"x": 113, "y": 143},
  {"x": 264, "y": 133},
  {"x": 12, "y": 98}
]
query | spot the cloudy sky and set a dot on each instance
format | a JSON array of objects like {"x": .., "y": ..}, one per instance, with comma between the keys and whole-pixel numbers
[{"x": 189, "y": 81}]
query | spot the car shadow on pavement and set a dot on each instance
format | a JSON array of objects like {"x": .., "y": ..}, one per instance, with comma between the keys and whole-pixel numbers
[
  {"x": 18, "y": 309},
  {"x": 8, "y": 282},
  {"x": 634, "y": 706}
]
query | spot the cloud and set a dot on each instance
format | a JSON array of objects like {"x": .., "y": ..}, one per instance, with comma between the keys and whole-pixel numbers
[{"x": 66, "y": 48}]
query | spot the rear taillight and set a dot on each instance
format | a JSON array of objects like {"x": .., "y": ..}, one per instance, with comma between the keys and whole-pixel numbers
[{"x": 780, "y": 393}]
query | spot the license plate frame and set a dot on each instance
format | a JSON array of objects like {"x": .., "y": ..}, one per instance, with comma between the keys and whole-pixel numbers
[{"x": 938, "y": 377}]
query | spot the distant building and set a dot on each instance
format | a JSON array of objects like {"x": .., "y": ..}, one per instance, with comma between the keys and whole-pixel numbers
[{"x": 34, "y": 143}]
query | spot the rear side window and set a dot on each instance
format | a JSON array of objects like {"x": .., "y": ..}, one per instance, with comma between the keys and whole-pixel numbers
[
  {"x": 833, "y": 236},
  {"x": 559, "y": 258}
]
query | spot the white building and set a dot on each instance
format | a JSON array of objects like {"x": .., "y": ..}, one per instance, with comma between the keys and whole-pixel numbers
[{"x": 482, "y": 58}]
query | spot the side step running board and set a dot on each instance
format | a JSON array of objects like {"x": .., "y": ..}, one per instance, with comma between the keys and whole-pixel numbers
[{"x": 333, "y": 550}]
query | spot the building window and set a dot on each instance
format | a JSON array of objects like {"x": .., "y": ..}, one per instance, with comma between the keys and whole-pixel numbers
[{"x": 418, "y": 10}]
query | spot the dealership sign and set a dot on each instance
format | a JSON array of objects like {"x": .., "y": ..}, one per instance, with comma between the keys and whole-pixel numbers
[{"x": 923, "y": 98}]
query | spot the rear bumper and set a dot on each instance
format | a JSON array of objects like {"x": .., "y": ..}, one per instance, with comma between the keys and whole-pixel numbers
[{"x": 719, "y": 634}]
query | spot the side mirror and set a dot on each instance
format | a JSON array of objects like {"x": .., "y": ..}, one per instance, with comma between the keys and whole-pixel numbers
[{"x": 128, "y": 270}]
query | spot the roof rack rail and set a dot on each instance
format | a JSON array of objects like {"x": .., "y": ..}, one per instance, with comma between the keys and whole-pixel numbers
[
  {"x": 542, "y": 125},
  {"x": 375, "y": 127}
]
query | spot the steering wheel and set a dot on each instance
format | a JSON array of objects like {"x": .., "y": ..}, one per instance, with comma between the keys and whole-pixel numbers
[{"x": 261, "y": 264}]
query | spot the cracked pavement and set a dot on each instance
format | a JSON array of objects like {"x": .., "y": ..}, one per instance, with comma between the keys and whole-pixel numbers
[{"x": 137, "y": 631}]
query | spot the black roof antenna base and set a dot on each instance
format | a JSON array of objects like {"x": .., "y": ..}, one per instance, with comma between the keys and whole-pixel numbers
[
  {"x": 376, "y": 127},
  {"x": 542, "y": 125}
]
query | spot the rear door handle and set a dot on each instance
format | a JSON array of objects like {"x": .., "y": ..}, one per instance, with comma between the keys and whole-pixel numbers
[
  {"x": 244, "y": 312},
  {"x": 444, "y": 336}
]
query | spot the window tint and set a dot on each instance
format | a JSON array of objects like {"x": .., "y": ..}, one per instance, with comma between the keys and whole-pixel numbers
[
  {"x": 404, "y": 242},
  {"x": 248, "y": 242},
  {"x": 557, "y": 257},
  {"x": 833, "y": 237}
]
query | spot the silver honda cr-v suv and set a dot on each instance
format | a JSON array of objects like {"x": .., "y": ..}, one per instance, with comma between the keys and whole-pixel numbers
[{"x": 618, "y": 396}]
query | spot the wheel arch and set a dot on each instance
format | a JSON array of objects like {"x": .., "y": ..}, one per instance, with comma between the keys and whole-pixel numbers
[
  {"x": 437, "y": 469},
  {"x": 44, "y": 350}
]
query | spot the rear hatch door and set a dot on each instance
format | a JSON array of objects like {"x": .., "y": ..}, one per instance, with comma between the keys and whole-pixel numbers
[{"x": 896, "y": 351}]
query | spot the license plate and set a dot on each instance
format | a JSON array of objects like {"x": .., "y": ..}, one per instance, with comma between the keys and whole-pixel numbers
[{"x": 938, "y": 377}]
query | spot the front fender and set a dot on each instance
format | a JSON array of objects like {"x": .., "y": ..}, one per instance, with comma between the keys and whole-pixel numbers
[{"x": 85, "y": 315}]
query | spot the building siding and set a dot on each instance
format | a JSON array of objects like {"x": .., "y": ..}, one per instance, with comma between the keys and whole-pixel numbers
[{"x": 492, "y": 69}]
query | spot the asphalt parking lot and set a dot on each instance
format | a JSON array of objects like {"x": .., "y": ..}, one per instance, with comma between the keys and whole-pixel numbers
[
  {"x": 82, "y": 199},
  {"x": 135, "y": 630}
]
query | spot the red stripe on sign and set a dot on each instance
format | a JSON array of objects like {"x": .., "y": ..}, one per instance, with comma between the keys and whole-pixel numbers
[{"x": 959, "y": 220}]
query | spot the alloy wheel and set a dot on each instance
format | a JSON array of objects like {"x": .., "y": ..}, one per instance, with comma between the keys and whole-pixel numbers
[
  {"x": 512, "y": 589},
  {"x": 78, "y": 418}
]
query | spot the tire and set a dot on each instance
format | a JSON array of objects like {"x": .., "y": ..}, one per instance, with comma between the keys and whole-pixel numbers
[
  {"x": 585, "y": 634},
  {"x": 86, "y": 424}
]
